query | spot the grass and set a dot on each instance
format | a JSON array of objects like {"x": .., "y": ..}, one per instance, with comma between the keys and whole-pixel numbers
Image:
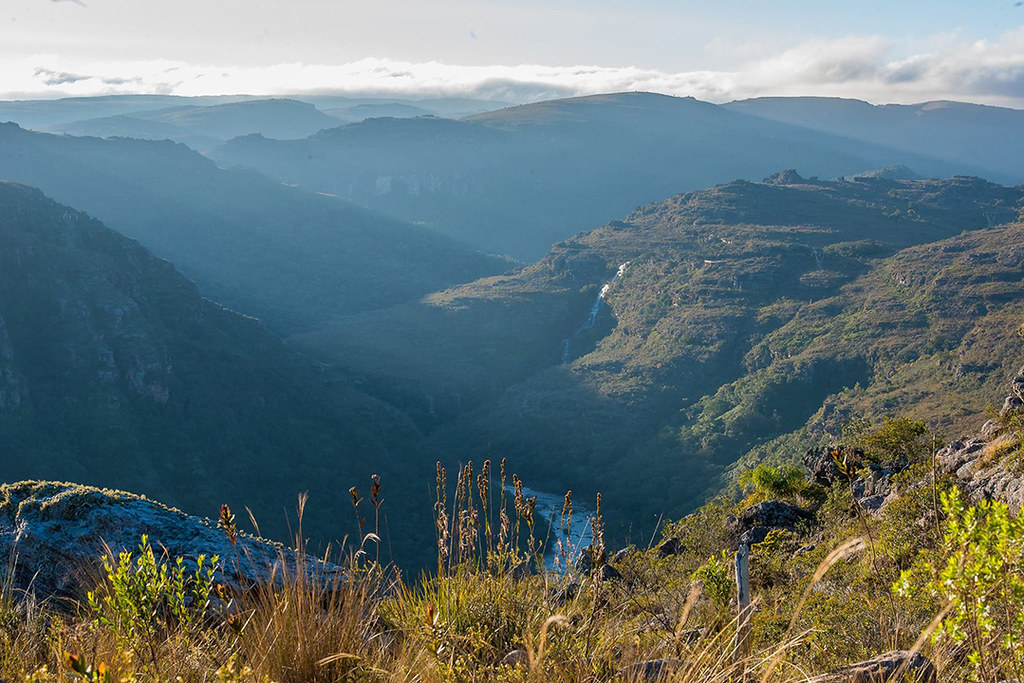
[{"x": 490, "y": 613}]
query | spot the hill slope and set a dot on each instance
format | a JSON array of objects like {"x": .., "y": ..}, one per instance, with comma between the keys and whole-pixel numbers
[
  {"x": 288, "y": 256},
  {"x": 115, "y": 372},
  {"x": 518, "y": 179},
  {"x": 675, "y": 380},
  {"x": 205, "y": 126},
  {"x": 983, "y": 136}
]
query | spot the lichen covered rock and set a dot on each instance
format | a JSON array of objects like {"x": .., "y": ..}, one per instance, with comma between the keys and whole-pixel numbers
[{"x": 55, "y": 534}]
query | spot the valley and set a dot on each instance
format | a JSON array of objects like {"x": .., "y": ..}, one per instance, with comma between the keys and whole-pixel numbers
[
  {"x": 651, "y": 354},
  {"x": 511, "y": 342},
  {"x": 705, "y": 349}
]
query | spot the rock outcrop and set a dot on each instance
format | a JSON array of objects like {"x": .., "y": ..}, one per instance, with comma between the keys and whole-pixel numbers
[
  {"x": 754, "y": 525},
  {"x": 53, "y": 534},
  {"x": 979, "y": 463},
  {"x": 898, "y": 665}
]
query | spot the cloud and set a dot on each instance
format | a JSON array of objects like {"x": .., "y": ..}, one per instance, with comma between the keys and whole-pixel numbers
[
  {"x": 51, "y": 77},
  {"x": 864, "y": 67},
  {"x": 80, "y": 3}
]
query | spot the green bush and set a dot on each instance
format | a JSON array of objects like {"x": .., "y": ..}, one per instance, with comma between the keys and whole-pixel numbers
[
  {"x": 981, "y": 584},
  {"x": 898, "y": 442},
  {"x": 144, "y": 599},
  {"x": 715, "y": 579},
  {"x": 765, "y": 482}
]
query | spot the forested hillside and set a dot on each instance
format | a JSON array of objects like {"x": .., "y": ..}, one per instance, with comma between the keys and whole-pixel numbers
[
  {"x": 743, "y": 314},
  {"x": 114, "y": 371}
]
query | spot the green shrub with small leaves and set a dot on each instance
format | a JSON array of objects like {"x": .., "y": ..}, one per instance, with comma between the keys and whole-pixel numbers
[
  {"x": 982, "y": 584},
  {"x": 715, "y": 579},
  {"x": 144, "y": 597},
  {"x": 898, "y": 442}
]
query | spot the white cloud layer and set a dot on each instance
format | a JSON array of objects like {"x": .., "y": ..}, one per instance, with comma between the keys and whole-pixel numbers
[{"x": 864, "y": 67}]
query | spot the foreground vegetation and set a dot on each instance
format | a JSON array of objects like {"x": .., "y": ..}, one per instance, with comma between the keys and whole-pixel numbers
[{"x": 927, "y": 573}]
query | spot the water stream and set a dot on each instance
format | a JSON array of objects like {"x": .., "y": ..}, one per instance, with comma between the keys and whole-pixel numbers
[
  {"x": 547, "y": 514},
  {"x": 592, "y": 317}
]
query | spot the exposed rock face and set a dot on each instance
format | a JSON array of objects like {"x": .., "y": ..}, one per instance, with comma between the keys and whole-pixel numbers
[
  {"x": 898, "y": 665},
  {"x": 872, "y": 491},
  {"x": 757, "y": 521},
  {"x": 56, "y": 531},
  {"x": 824, "y": 463},
  {"x": 977, "y": 462}
]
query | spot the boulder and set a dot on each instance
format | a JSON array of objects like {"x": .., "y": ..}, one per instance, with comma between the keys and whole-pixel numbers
[
  {"x": 58, "y": 532},
  {"x": 606, "y": 572},
  {"x": 516, "y": 658},
  {"x": 991, "y": 429},
  {"x": 670, "y": 547},
  {"x": 872, "y": 504},
  {"x": 590, "y": 557},
  {"x": 621, "y": 555},
  {"x": 774, "y": 514},
  {"x": 1011, "y": 405},
  {"x": 757, "y": 521},
  {"x": 823, "y": 463},
  {"x": 898, "y": 665}
]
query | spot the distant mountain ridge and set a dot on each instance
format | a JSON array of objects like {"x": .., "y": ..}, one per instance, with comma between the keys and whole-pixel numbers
[
  {"x": 144, "y": 116},
  {"x": 286, "y": 255},
  {"x": 203, "y": 127},
  {"x": 517, "y": 180},
  {"x": 979, "y": 135}
]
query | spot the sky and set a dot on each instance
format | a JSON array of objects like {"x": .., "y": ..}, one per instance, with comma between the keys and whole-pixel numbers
[{"x": 517, "y": 50}]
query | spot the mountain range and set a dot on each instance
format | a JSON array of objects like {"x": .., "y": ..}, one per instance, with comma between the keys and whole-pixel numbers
[
  {"x": 335, "y": 306},
  {"x": 292, "y": 257},
  {"x": 202, "y": 127},
  {"x": 982, "y": 136},
  {"x": 202, "y": 122},
  {"x": 519, "y": 179}
]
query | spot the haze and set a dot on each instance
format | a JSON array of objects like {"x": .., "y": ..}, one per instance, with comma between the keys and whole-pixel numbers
[{"x": 517, "y": 51}]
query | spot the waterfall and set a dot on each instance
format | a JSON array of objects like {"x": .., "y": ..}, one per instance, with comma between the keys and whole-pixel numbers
[{"x": 595, "y": 310}]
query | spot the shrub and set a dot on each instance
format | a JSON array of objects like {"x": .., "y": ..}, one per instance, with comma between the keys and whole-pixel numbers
[
  {"x": 144, "y": 599},
  {"x": 766, "y": 482},
  {"x": 898, "y": 442},
  {"x": 715, "y": 579},
  {"x": 982, "y": 584}
]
